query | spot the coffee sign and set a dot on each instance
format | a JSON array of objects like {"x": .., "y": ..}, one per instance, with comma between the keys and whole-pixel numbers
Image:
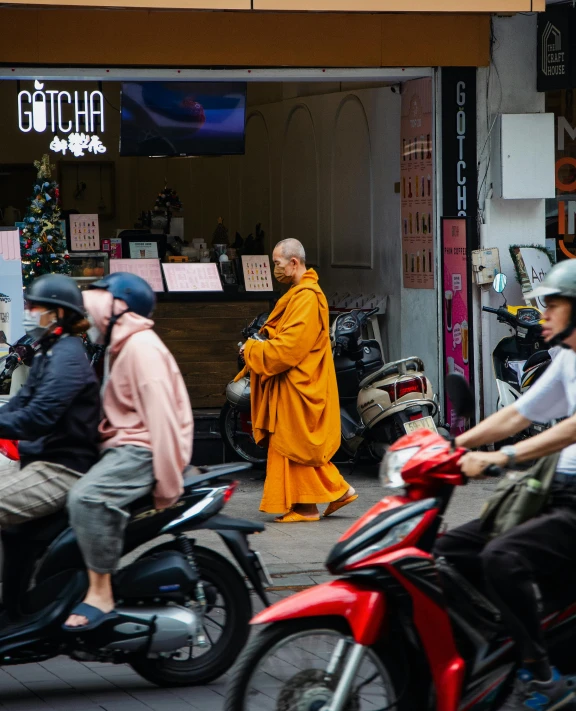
[{"x": 74, "y": 119}]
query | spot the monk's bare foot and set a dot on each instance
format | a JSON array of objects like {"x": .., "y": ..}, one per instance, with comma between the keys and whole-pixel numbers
[
  {"x": 308, "y": 510},
  {"x": 351, "y": 491}
]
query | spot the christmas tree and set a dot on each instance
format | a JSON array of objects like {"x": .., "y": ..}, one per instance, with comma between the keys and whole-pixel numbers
[
  {"x": 167, "y": 201},
  {"x": 42, "y": 243}
]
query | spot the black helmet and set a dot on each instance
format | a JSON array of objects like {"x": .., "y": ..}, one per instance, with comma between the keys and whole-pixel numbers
[
  {"x": 135, "y": 291},
  {"x": 56, "y": 290}
]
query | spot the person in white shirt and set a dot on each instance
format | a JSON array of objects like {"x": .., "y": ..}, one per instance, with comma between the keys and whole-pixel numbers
[{"x": 541, "y": 551}]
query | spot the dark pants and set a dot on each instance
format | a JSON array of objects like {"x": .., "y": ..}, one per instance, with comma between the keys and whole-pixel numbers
[{"x": 540, "y": 553}]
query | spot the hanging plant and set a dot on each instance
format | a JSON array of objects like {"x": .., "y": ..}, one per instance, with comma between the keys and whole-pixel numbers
[{"x": 519, "y": 268}]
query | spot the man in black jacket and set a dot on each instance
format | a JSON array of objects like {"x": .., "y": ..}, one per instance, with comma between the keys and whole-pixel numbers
[{"x": 56, "y": 413}]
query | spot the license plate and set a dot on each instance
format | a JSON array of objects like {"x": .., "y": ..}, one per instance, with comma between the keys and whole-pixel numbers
[
  {"x": 425, "y": 423},
  {"x": 263, "y": 571}
]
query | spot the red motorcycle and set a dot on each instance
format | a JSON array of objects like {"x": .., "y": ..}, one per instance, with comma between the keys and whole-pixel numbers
[{"x": 398, "y": 630}]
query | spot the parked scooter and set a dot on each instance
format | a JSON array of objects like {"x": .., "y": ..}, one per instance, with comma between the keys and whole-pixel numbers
[
  {"x": 183, "y": 610},
  {"x": 17, "y": 361},
  {"x": 378, "y": 402},
  {"x": 397, "y": 629},
  {"x": 520, "y": 359}
]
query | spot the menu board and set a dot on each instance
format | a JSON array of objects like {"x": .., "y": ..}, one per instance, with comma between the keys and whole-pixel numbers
[
  {"x": 84, "y": 233},
  {"x": 148, "y": 269},
  {"x": 257, "y": 276},
  {"x": 417, "y": 185},
  {"x": 192, "y": 277}
]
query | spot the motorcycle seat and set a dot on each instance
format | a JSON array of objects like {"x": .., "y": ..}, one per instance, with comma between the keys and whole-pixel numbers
[
  {"x": 536, "y": 359},
  {"x": 397, "y": 367}
]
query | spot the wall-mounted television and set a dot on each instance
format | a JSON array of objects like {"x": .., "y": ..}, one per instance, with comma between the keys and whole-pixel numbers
[{"x": 163, "y": 118}]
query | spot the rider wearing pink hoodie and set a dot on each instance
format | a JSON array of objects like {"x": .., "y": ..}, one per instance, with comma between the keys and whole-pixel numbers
[{"x": 146, "y": 434}]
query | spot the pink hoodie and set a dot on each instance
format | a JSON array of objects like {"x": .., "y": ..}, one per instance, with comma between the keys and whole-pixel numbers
[{"x": 145, "y": 401}]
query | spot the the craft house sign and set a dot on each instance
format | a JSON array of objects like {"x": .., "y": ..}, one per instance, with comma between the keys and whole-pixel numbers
[{"x": 75, "y": 120}]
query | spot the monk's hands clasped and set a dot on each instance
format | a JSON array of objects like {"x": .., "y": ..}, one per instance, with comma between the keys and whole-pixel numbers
[{"x": 474, "y": 464}]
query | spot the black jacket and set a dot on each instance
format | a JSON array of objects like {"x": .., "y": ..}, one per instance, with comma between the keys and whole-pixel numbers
[{"x": 56, "y": 413}]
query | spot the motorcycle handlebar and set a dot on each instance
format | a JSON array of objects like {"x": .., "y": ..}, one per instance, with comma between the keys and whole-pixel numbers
[
  {"x": 490, "y": 310},
  {"x": 492, "y": 471}
]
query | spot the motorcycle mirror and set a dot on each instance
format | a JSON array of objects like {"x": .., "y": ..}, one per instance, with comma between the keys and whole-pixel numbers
[
  {"x": 3, "y": 338},
  {"x": 460, "y": 395},
  {"x": 499, "y": 283}
]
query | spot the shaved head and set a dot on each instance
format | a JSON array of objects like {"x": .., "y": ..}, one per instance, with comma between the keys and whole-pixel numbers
[{"x": 291, "y": 249}]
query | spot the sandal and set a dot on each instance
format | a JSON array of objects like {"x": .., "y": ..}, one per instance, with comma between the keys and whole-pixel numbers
[
  {"x": 335, "y": 505},
  {"x": 94, "y": 616},
  {"x": 293, "y": 517}
]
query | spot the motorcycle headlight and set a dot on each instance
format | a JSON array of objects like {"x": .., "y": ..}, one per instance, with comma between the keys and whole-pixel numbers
[
  {"x": 391, "y": 467},
  {"x": 395, "y": 535}
]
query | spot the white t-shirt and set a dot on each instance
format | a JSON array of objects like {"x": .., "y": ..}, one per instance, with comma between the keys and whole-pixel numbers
[{"x": 552, "y": 396}]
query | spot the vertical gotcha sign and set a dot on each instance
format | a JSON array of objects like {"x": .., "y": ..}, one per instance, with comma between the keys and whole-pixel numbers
[{"x": 459, "y": 233}]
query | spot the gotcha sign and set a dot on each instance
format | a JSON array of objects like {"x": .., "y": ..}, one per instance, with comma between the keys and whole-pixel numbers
[{"x": 73, "y": 121}]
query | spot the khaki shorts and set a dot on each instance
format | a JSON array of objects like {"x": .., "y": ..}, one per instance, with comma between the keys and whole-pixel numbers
[{"x": 36, "y": 490}]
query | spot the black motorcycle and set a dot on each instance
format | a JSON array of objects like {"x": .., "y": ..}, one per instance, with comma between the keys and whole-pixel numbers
[{"x": 183, "y": 610}]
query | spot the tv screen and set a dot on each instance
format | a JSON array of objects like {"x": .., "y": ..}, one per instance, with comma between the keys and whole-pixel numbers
[{"x": 182, "y": 118}]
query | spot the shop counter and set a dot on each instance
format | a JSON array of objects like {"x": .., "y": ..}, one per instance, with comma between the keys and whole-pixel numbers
[{"x": 202, "y": 331}]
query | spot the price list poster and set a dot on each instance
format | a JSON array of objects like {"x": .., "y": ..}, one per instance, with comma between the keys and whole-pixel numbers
[{"x": 417, "y": 185}]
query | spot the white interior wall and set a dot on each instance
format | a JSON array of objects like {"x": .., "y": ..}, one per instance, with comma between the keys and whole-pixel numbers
[
  {"x": 511, "y": 86},
  {"x": 321, "y": 164}
]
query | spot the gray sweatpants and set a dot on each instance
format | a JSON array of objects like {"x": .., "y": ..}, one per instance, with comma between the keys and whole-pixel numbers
[{"x": 97, "y": 503}]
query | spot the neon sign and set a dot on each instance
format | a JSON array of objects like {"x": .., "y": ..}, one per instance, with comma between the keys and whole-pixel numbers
[{"x": 41, "y": 110}]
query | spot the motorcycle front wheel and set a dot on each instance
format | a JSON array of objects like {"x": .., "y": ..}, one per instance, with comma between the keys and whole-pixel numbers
[
  {"x": 226, "y": 627},
  {"x": 297, "y": 666},
  {"x": 236, "y": 431}
]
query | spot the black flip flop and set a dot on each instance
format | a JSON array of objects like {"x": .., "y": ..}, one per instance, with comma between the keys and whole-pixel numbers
[{"x": 94, "y": 616}]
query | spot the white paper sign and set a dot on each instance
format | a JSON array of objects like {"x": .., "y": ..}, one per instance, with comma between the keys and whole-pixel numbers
[
  {"x": 11, "y": 294},
  {"x": 148, "y": 269},
  {"x": 192, "y": 277},
  {"x": 537, "y": 264},
  {"x": 144, "y": 250},
  {"x": 257, "y": 276},
  {"x": 84, "y": 233}
]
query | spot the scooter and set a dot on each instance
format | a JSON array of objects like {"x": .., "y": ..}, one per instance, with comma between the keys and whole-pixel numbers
[
  {"x": 378, "y": 402},
  {"x": 16, "y": 363},
  {"x": 397, "y": 629},
  {"x": 521, "y": 358},
  {"x": 182, "y": 609}
]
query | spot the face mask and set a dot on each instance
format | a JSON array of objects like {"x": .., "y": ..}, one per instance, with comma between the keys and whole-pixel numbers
[
  {"x": 94, "y": 333},
  {"x": 31, "y": 324},
  {"x": 281, "y": 276}
]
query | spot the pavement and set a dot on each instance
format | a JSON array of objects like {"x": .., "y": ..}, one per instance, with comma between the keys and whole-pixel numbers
[{"x": 294, "y": 554}]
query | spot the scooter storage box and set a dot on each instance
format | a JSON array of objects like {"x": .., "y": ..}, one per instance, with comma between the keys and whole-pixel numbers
[
  {"x": 162, "y": 574},
  {"x": 348, "y": 374}
]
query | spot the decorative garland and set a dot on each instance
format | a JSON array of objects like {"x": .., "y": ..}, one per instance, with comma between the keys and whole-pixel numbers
[{"x": 514, "y": 256}]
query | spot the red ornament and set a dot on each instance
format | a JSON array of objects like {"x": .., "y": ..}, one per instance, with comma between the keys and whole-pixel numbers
[
  {"x": 66, "y": 257},
  {"x": 38, "y": 265},
  {"x": 28, "y": 244},
  {"x": 39, "y": 250}
]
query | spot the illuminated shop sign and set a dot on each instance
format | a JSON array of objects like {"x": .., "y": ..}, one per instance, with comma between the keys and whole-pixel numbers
[{"x": 75, "y": 120}]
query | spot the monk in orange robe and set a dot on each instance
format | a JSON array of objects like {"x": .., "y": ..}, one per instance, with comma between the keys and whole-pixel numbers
[{"x": 294, "y": 396}]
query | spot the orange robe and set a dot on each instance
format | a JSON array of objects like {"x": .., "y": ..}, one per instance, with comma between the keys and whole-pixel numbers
[{"x": 294, "y": 399}]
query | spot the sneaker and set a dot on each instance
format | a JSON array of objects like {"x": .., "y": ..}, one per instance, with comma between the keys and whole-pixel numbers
[{"x": 531, "y": 695}]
